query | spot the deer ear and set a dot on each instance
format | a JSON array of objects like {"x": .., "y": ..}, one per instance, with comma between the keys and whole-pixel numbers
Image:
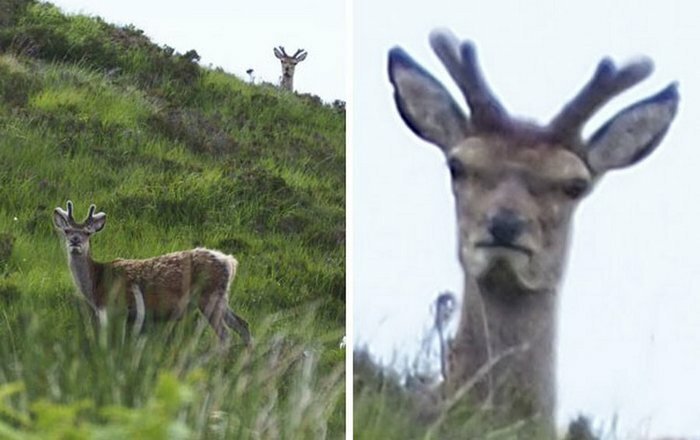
[
  {"x": 424, "y": 104},
  {"x": 60, "y": 219},
  {"x": 97, "y": 222},
  {"x": 277, "y": 52},
  {"x": 302, "y": 57},
  {"x": 634, "y": 133}
]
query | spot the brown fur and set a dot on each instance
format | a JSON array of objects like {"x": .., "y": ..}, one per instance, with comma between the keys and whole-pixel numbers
[{"x": 168, "y": 281}]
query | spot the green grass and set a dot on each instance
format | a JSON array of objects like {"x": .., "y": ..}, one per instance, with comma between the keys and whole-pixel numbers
[
  {"x": 177, "y": 156},
  {"x": 107, "y": 383},
  {"x": 389, "y": 406}
]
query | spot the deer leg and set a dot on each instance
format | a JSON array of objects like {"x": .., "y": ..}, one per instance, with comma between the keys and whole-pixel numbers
[
  {"x": 140, "y": 309},
  {"x": 101, "y": 313},
  {"x": 214, "y": 309},
  {"x": 238, "y": 324}
]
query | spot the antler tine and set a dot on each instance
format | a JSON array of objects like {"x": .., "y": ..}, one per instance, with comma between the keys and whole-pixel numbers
[
  {"x": 69, "y": 205},
  {"x": 607, "y": 82},
  {"x": 284, "y": 52},
  {"x": 91, "y": 212},
  {"x": 298, "y": 52},
  {"x": 487, "y": 113}
]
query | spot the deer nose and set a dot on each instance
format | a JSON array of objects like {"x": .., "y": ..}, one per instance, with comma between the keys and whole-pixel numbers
[{"x": 506, "y": 226}]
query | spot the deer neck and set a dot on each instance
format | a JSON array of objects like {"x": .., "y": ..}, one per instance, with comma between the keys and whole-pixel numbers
[
  {"x": 84, "y": 270},
  {"x": 513, "y": 330},
  {"x": 287, "y": 79}
]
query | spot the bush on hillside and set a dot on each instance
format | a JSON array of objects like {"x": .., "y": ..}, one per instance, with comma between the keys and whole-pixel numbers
[
  {"x": 16, "y": 83},
  {"x": 42, "y": 31},
  {"x": 10, "y": 10}
]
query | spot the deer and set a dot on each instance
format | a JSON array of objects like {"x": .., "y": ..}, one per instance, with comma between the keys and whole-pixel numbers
[
  {"x": 516, "y": 185},
  {"x": 289, "y": 63},
  {"x": 161, "y": 287}
]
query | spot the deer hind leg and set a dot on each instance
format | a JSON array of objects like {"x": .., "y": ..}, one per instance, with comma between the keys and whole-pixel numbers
[
  {"x": 215, "y": 304},
  {"x": 238, "y": 324},
  {"x": 214, "y": 308}
]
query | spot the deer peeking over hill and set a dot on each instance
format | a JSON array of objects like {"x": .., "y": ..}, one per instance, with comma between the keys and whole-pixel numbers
[{"x": 289, "y": 63}]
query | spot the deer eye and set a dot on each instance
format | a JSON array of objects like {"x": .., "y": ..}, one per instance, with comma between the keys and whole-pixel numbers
[
  {"x": 457, "y": 168},
  {"x": 575, "y": 188}
]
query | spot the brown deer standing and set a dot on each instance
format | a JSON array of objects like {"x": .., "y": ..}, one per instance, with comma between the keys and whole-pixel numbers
[
  {"x": 516, "y": 186},
  {"x": 161, "y": 287},
  {"x": 289, "y": 63}
]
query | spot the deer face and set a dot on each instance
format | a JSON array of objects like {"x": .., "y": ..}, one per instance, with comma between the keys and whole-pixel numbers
[
  {"x": 288, "y": 67},
  {"x": 77, "y": 235},
  {"x": 516, "y": 184},
  {"x": 514, "y": 205}
]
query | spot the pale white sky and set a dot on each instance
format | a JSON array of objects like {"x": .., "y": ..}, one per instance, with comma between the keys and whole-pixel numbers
[
  {"x": 238, "y": 35},
  {"x": 629, "y": 339}
]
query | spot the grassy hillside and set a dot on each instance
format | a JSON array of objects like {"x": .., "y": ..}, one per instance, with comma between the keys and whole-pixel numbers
[{"x": 177, "y": 156}]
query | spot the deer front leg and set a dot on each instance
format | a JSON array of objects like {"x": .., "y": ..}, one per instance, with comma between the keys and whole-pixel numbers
[
  {"x": 140, "y": 309},
  {"x": 101, "y": 313}
]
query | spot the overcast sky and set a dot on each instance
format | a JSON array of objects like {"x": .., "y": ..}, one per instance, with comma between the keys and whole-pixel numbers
[
  {"x": 239, "y": 35},
  {"x": 629, "y": 339}
]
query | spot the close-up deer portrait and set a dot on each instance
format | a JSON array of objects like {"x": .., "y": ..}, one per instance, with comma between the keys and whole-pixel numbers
[{"x": 516, "y": 186}]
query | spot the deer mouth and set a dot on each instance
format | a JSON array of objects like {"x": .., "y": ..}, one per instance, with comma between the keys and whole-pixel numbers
[{"x": 508, "y": 247}]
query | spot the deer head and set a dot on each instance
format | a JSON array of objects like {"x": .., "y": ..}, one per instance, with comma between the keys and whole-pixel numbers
[
  {"x": 289, "y": 62},
  {"x": 516, "y": 184},
  {"x": 77, "y": 235}
]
